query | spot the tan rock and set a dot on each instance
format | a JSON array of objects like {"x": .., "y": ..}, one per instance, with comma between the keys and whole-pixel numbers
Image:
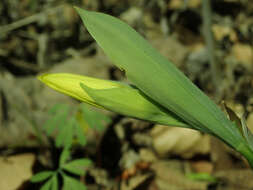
[
  {"x": 194, "y": 3},
  {"x": 179, "y": 141},
  {"x": 221, "y": 31},
  {"x": 243, "y": 53},
  {"x": 175, "y": 4},
  {"x": 15, "y": 170},
  {"x": 202, "y": 167}
]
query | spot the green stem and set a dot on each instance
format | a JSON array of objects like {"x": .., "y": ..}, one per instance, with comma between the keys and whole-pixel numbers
[{"x": 208, "y": 35}]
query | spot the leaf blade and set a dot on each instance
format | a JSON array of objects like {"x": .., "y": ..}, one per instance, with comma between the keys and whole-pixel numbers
[
  {"x": 77, "y": 166},
  {"x": 71, "y": 183},
  {"x": 64, "y": 156},
  {"x": 41, "y": 176}
]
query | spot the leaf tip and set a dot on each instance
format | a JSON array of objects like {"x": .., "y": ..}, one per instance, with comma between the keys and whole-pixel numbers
[
  {"x": 42, "y": 77},
  {"x": 77, "y": 9},
  {"x": 80, "y": 11}
]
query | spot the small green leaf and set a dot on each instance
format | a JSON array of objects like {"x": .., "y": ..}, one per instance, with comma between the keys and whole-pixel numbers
[
  {"x": 201, "y": 177},
  {"x": 69, "y": 132},
  {"x": 59, "y": 141},
  {"x": 55, "y": 184},
  {"x": 89, "y": 116},
  {"x": 56, "y": 108},
  {"x": 47, "y": 185},
  {"x": 41, "y": 176},
  {"x": 70, "y": 183},
  {"x": 64, "y": 156},
  {"x": 57, "y": 120},
  {"x": 77, "y": 166},
  {"x": 80, "y": 134},
  {"x": 65, "y": 136}
]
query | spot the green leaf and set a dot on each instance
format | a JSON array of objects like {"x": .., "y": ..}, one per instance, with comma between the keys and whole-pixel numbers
[
  {"x": 158, "y": 78},
  {"x": 132, "y": 102},
  {"x": 65, "y": 136},
  {"x": 88, "y": 116},
  {"x": 41, "y": 176},
  {"x": 64, "y": 156},
  {"x": 201, "y": 177},
  {"x": 94, "y": 118},
  {"x": 80, "y": 134},
  {"x": 70, "y": 183},
  {"x": 57, "y": 120},
  {"x": 50, "y": 124},
  {"x": 69, "y": 132},
  {"x": 57, "y": 107},
  {"x": 47, "y": 185},
  {"x": 55, "y": 184},
  {"x": 77, "y": 166},
  {"x": 59, "y": 141}
]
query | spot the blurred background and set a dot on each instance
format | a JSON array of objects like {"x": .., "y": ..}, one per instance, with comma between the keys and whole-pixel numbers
[{"x": 211, "y": 41}]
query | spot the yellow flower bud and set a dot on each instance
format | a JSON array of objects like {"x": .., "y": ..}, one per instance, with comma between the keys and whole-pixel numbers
[{"x": 69, "y": 84}]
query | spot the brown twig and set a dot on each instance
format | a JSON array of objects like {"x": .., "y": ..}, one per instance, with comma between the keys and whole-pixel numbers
[
  {"x": 28, "y": 20},
  {"x": 25, "y": 65}
]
